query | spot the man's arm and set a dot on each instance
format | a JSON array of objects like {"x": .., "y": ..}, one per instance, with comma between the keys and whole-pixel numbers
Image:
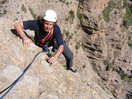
[
  {"x": 59, "y": 41},
  {"x": 19, "y": 28},
  {"x": 57, "y": 54}
]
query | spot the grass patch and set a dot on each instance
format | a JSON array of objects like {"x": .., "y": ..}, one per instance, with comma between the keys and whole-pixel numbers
[
  {"x": 108, "y": 9},
  {"x": 127, "y": 19},
  {"x": 4, "y": 11},
  {"x": 130, "y": 42},
  {"x": 71, "y": 16},
  {"x": 64, "y": 1},
  {"x": 23, "y": 8},
  {"x": 80, "y": 16},
  {"x": 78, "y": 45},
  {"x": 39, "y": 17},
  {"x": 3, "y": 1},
  {"x": 126, "y": 78},
  {"x": 68, "y": 34},
  {"x": 109, "y": 65}
]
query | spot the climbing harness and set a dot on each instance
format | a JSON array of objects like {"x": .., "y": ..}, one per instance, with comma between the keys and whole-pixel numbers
[
  {"x": 44, "y": 41},
  {"x": 45, "y": 49}
]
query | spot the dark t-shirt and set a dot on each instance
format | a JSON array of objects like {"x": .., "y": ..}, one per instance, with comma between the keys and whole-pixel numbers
[{"x": 36, "y": 26}]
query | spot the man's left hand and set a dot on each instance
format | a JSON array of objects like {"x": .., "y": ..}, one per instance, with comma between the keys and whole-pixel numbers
[{"x": 51, "y": 60}]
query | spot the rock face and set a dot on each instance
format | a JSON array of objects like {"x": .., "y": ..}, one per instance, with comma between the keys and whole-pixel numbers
[
  {"x": 101, "y": 52},
  {"x": 42, "y": 80},
  {"x": 106, "y": 44}
]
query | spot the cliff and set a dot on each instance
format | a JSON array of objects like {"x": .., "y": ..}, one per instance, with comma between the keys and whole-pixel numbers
[{"x": 100, "y": 46}]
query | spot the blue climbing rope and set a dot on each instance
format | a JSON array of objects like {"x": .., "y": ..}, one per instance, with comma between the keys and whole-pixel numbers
[{"x": 45, "y": 49}]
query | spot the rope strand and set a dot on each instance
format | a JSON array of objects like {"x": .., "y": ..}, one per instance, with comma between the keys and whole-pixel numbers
[{"x": 15, "y": 82}]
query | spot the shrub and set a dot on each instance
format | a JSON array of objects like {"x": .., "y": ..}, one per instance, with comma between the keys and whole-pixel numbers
[
  {"x": 127, "y": 19},
  {"x": 68, "y": 34},
  {"x": 3, "y": 1},
  {"x": 108, "y": 64},
  {"x": 23, "y": 8},
  {"x": 80, "y": 16},
  {"x": 4, "y": 11},
  {"x": 108, "y": 9},
  {"x": 130, "y": 42},
  {"x": 71, "y": 14},
  {"x": 70, "y": 17},
  {"x": 78, "y": 45},
  {"x": 126, "y": 78},
  {"x": 64, "y": 1}
]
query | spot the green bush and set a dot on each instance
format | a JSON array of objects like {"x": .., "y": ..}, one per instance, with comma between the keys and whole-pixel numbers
[
  {"x": 4, "y": 11},
  {"x": 64, "y": 1},
  {"x": 80, "y": 16},
  {"x": 39, "y": 17},
  {"x": 23, "y": 8},
  {"x": 127, "y": 19},
  {"x": 126, "y": 78},
  {"x": 109, "y": 65},
  {"x": 78, "y": 45},
  {"x": 68, "y": 34},
  {"x": 108, "y": 9},
  {"x": 3, "y": 1},
  {"x": 71, "y": 16},
  {"x": 130, "y": 42}
]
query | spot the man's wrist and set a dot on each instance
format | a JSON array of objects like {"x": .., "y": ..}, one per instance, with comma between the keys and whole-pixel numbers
[
  {"x": 55, "y": 56},
  {"x": 24, "y": 37}
]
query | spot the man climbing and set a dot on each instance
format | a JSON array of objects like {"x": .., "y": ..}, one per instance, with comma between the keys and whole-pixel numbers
[{"x": 47, "y": 32}]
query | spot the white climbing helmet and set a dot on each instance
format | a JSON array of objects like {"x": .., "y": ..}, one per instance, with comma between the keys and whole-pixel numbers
[{"x": 50, "y": 15}]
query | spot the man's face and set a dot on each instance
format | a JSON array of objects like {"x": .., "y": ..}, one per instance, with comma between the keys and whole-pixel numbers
[{"x": 47, "y": 26}]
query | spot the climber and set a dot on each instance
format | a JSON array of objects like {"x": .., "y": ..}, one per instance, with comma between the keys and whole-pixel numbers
[{"x": 47, "y": 32}]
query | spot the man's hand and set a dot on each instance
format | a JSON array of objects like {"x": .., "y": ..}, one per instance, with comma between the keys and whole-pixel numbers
[
  {"x": 27, "y": 41},
  {"x": 20, "y": 30},
  {"x": 51, "y": 60}
]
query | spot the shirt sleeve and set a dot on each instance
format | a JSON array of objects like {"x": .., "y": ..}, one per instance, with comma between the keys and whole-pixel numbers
[
  {"x": 30, "y": 24},
  {"x": 58, "y": 35}
]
